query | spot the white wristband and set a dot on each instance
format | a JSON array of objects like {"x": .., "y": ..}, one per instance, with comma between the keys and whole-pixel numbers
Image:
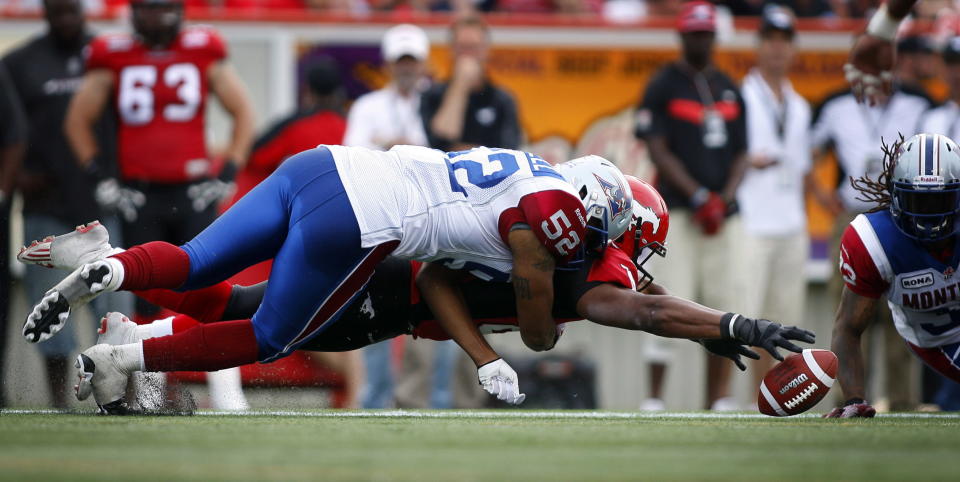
[{"x": 882, "y": 25}]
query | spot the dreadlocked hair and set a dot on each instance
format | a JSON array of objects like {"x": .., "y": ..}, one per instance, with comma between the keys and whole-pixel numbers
[{"x": 877, "y": 191}]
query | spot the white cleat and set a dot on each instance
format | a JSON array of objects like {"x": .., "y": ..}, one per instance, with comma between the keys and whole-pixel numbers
[
  {"x": 100, "y": 373},
  {"x": 85, "y": 244},
  {"x": 116, "y": 329},
  {"x": 50, "y": 315}
]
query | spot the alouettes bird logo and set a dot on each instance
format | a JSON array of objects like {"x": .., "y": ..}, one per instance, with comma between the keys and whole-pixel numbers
[{"x": 615, "y": 195}]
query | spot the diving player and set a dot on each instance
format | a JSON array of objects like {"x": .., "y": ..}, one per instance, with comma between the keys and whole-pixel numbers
[
  {"x": 328, "y": 216},
  {"x": 603, "y": 289}
]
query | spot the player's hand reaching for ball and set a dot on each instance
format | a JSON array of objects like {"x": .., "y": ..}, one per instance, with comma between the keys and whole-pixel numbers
[
  {"x": 853, "y": 408},
  {"x": 731, "y": 349},
  {"x": 499, "y": 380},
  {"x": 764, "y": 334}
]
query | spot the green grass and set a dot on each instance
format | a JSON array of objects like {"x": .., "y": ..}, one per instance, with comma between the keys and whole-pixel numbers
[{"x": 329, "y": 447}]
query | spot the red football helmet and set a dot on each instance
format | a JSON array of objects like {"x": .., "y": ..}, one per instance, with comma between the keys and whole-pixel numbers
[{"x": 647, "y": 234}]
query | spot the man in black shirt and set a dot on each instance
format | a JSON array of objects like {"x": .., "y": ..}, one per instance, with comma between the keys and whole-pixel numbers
[
  {"x": 57, "y": 195},
  {"x": 469, "y": 111},
  {"x": 692, "y": 119},
  {"x": 12, "y": 142}
]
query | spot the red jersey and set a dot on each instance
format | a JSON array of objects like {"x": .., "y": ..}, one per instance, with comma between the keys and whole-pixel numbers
[{"x": 160, "y": 97}]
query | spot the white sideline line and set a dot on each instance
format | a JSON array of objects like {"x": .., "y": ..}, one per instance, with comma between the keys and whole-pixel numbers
[{"x": 444, "y": 414}]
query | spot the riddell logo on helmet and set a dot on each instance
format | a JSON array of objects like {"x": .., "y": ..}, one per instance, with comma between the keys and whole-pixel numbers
[{"x": 928, "y": 180}]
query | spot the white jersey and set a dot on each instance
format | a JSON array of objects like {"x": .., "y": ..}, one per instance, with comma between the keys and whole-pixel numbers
[
  {"x": 458, "y": 206},
  {"x": 923, "y": 292}
]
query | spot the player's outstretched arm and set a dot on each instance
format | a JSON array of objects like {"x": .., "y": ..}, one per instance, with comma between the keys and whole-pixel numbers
[
  {"x": 853, "y": 317},
  {"x": 84, "y": 111},
  {"x": 440, "y": 288},
  {"x": 675, "y": 317},
  {"x": 533, "y": 269},
  {"x": 228, "y": 87}
]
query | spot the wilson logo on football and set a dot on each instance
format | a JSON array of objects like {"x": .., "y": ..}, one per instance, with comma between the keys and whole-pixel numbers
[{"x": 793, "y": 383}]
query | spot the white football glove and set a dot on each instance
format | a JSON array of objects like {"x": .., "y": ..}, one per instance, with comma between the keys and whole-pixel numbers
[{"x": 499, "y": 380}]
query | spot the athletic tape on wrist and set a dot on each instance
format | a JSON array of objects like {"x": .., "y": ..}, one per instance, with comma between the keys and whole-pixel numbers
[{"x": 883, "y": 25}]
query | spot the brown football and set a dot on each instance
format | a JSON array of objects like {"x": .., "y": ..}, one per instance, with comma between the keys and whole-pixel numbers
[{"x": 796, "y": 384}]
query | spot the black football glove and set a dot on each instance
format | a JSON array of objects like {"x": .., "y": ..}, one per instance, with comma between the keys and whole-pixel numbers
[
  {"x": 203, "y": 194},
  {"x": 110, "y": 194},
  {"x": 730, "y": 349},
  {"x": 764, "y": 334}
]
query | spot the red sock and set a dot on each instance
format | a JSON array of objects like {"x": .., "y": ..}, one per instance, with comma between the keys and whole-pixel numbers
[
  {"x": 153, "y": 265},
  {"x": 183, "y": 323},
  {"x": 204, "y": 348},
  {"x": 206, "y": 305}
]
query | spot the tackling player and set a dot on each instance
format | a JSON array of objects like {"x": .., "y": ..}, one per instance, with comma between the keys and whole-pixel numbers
[
  {"x": 604, "y": 289},
  {"x": 907, "y": 251},
  {"x": 327, "y": 217}
]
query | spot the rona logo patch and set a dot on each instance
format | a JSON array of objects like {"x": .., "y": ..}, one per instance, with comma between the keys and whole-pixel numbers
[{"x": 917, "y": 281}]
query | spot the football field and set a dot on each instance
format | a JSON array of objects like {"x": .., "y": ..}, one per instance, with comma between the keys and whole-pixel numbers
[{"x": 484, "y": 445}]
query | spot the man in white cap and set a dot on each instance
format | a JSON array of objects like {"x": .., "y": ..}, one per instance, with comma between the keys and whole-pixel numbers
[
  {"x": 390, "y": 116},
  {"x": 380, "y": 120}
]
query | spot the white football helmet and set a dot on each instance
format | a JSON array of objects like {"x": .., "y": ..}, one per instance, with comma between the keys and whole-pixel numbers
[
  {"x": 925, "y": 187},
  {"x": 605, "y": 194}
]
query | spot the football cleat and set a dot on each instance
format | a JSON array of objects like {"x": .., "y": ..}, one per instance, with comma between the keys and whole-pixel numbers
[
  {"x": 79, "y": 287},
  {"x": 116, "y": 329},
  {"x": 85, "y": 244},
  {"x": 99, "y": 373}
]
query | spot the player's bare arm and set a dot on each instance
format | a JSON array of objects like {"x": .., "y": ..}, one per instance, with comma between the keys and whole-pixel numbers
[
  {"x": 870, "y": 67},
  {"x": 533, "y": 286},
  {"x": 85, "y": 110},
  {"x": 673, "y": 317},
  {"x": 228, "y": 87},
  {"x": 663, "y": 315},
  {"x": 439, "y": 287},
  {"x": 853, "y": 318}
]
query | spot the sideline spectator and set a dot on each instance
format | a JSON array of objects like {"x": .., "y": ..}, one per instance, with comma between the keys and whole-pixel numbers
[
  {"x": 46, "y": 72},
  {"x": 469, "y": 110},
  {"x": 13, "y": 137},
  {"x": 692, "y": 119},
  {"x": 853, "y": 131},
  {"x": 771, "y": 197},
  {"x": 380, "y": 120},
  {"x": 916, "y": 63}
]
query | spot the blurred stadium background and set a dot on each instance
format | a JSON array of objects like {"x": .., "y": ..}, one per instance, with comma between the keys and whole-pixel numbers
[{"x": 577, "y": 78}]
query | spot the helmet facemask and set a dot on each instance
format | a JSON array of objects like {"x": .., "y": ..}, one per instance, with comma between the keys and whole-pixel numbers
[{"x": 925, "y": 213}]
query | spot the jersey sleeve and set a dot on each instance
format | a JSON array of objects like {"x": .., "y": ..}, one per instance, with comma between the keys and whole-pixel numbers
[
  {"x": 96, "y": 54},
  {"x": 556, "y": 217},
  {"x": 651, "y": 115},
  {"x": 859, "y": 272},
  {"x": 205, "y": 40}
]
